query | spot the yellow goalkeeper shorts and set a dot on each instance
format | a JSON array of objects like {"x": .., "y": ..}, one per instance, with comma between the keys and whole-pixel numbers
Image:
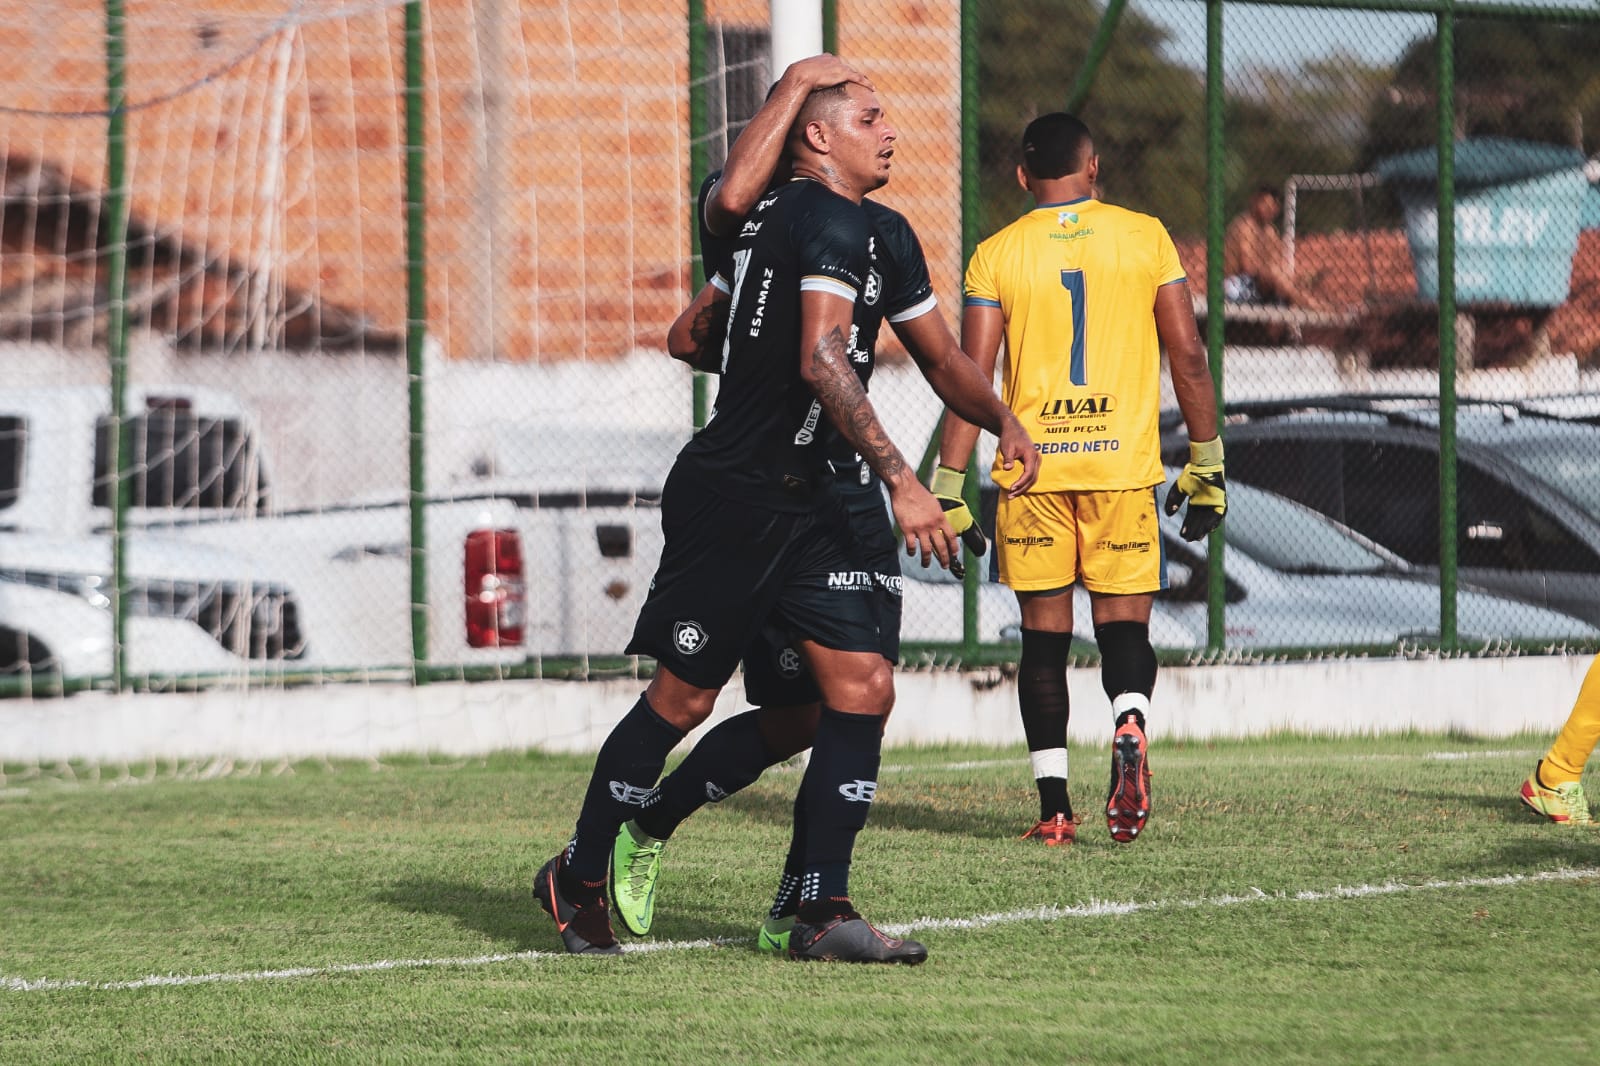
[{"x": 1109, "y": 539}]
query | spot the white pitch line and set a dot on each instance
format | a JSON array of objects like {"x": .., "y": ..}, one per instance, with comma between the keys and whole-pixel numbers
[
  {"x": 1046, "y": 913},
  {"x": 1167, "y": 759},
  {"x": 1204, "y": 759}
]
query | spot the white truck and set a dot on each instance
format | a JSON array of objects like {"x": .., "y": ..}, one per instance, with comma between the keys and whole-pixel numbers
[{"x": 220, "y": 582}]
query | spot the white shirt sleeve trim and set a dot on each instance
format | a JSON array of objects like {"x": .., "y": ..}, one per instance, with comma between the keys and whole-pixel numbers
[
  {"x": 819, "y": 283},
  {"x": 916, "y": 310}
]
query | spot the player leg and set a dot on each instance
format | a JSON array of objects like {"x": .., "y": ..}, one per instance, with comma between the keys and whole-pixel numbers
[
  {"x": 830, "y": 604},
  {"x": 572, "y": 886},
  {"x": 1555, "y": 788},
  {"x": 696, "y": 635},
  {"x": 1037, "y": 556},
  {"x": 874, "y": 535},
  {"x": 1123, "y": 566},
  {"x": 731, "y": 756}
]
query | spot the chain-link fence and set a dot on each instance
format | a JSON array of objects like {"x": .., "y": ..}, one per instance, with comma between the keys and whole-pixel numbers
[{"x": 384, "y": 291}]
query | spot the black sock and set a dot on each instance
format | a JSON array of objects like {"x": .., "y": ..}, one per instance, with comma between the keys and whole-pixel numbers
[
  {"x": 1053, "y": 798},
  {"x": 729, "y": 757},
  {"x": 624, "y": 774},
  {"x": 1127, "y": 660},
  {"x": 1042, "y": 694},
  {"x": 787, "y": 900},
  {"x": 839, "y": 787}
]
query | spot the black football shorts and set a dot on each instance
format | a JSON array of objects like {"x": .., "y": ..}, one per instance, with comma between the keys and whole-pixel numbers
[
  {"x": 728, "y": 568},
  {"x": 774, "y": 673}
]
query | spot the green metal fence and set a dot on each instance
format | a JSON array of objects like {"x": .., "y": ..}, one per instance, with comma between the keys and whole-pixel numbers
[{"x": 236, "y": 195}]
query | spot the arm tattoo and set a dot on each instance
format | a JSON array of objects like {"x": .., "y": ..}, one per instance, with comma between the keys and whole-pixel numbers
[
  {"x": 708, "y": 330},
  {"x": 845, "y": 402}
]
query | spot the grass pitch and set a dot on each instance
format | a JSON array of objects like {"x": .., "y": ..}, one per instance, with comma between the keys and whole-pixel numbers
[{"x": 1292, "y": 901}]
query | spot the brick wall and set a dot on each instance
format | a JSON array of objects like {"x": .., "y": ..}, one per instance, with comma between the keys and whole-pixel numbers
[{"x": 556, "y": 144}]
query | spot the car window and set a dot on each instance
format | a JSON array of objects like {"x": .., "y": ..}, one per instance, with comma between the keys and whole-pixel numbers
[
  {"x": 181, "y": 460},
  {"x": 1288, "y": 536},
  {"x": 1391, "y": 494},
  {"x": 1502, "y": 530},
  {"x": 1568, "y": 465},
  {"x": 1308, "y": 471},
  {"x": 13, "y": 434}
]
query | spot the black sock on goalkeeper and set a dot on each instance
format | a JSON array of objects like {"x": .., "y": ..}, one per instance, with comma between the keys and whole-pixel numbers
[{"x": 1127, "y": 663}]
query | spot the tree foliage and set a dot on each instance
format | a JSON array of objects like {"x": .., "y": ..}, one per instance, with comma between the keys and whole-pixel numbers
[
  {"x": 1146, "y": 112},
  {"x": 1534, "y": 81}
]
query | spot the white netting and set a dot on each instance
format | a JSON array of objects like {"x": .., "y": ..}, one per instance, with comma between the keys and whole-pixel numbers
[{"x": 267, "y": 263}]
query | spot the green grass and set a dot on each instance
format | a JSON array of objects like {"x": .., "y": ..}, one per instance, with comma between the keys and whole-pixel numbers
[{"x": 109, "y": 882}]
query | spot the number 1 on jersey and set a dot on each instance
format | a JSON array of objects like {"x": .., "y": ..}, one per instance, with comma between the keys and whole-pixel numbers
[{"x": 1072, "y": 281}]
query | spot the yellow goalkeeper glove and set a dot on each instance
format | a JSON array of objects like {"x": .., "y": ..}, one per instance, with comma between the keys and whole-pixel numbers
[
  {"x": 1202, "y": 483},
  {"x": 946, "y": 488}
]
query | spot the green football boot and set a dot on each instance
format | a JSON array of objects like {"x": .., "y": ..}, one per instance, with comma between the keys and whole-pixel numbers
[
  {"x": 635, "y": 865},
  {"x": 773, "y": 938}
]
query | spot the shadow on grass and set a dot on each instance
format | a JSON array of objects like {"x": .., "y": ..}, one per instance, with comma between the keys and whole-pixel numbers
[
  {"x": 976, "y": 820},
  {"x": 513, "y": 918},
  {"x": 1548, "y": 847}
]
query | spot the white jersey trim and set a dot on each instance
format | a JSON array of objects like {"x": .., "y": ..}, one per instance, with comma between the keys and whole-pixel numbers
[
  {"x": 819, "y": 283},
  {"x": 916, "y": 310}
]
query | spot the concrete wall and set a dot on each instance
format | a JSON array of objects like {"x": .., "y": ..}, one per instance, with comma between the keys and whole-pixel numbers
[{"x": 1483, "y": 697}]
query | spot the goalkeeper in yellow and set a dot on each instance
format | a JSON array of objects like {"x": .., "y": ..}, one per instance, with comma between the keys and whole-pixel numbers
[
  {"x": 1085, "y": 295},
  {"x": 1555, "y": 788}
]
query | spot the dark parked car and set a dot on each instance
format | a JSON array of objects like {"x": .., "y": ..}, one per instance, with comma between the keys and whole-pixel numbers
[{"x": 1528, "y": 496}]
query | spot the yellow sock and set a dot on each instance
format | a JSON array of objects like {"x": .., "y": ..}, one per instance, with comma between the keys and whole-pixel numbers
[{"x": 1576, "y": 742}]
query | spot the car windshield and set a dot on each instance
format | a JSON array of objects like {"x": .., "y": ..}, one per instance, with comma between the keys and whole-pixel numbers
[
  {"x": 1570, "y": 469},
  {"x": 1284, "y": 535}
]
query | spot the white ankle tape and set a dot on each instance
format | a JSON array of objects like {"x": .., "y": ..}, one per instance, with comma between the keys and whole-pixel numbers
[
  {"x": 1130, "y": 701},
  {"x": 1051, "y": 762}
]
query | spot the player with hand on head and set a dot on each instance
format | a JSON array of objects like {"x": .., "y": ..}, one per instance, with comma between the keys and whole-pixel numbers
[
  {"x": 753, "y": 532},
  {"x": 734, "y": 753},
  {"x": 1085, "y": 296}
]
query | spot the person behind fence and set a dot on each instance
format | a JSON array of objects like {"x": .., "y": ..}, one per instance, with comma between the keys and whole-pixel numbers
[
  {"x": 1255, "y": 265},
  {"x": 753, "y": 531},
  {"x": 1555, "y": 788},
  {"x": 1086, "y": 295},
  {"x": 734, "y": 753}
]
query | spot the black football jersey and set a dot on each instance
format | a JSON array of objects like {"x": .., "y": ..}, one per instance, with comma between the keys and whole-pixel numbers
[
  {"x": 764, "y": 440},
  {"x": 897, "y": 288},
  {"x": 716, "y": 253}
]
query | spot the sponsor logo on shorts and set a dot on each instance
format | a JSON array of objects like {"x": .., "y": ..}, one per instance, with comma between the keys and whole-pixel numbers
[
  {"x": 689, "y": 637},
  {"x": 893, "y": 584},
  {"x": 1123, "y": 545},
  {"x": 850, "y": 580},
  {"x": 859, "y": 791},
  {"x": 1031, "y": 542},
  {"x": 632, "y": 795},
  {"x": 715, "y": 793},
  {"x": 789, "y": 663}
]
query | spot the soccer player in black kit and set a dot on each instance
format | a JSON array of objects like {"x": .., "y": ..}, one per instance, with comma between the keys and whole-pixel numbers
[
  {"x": 734, "y": 753},
  {"x": 754, "y": 533}
]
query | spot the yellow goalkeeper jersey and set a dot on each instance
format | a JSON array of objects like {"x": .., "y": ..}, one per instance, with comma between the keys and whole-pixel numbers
[{"x": 1077, "y": 285}]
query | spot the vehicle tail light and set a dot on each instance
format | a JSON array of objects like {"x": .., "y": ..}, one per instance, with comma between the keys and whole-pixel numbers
[{"x": 497, "y": 596}]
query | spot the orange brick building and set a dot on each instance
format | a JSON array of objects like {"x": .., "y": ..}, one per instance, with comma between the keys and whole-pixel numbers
[{"x": 266, "y": 142}]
